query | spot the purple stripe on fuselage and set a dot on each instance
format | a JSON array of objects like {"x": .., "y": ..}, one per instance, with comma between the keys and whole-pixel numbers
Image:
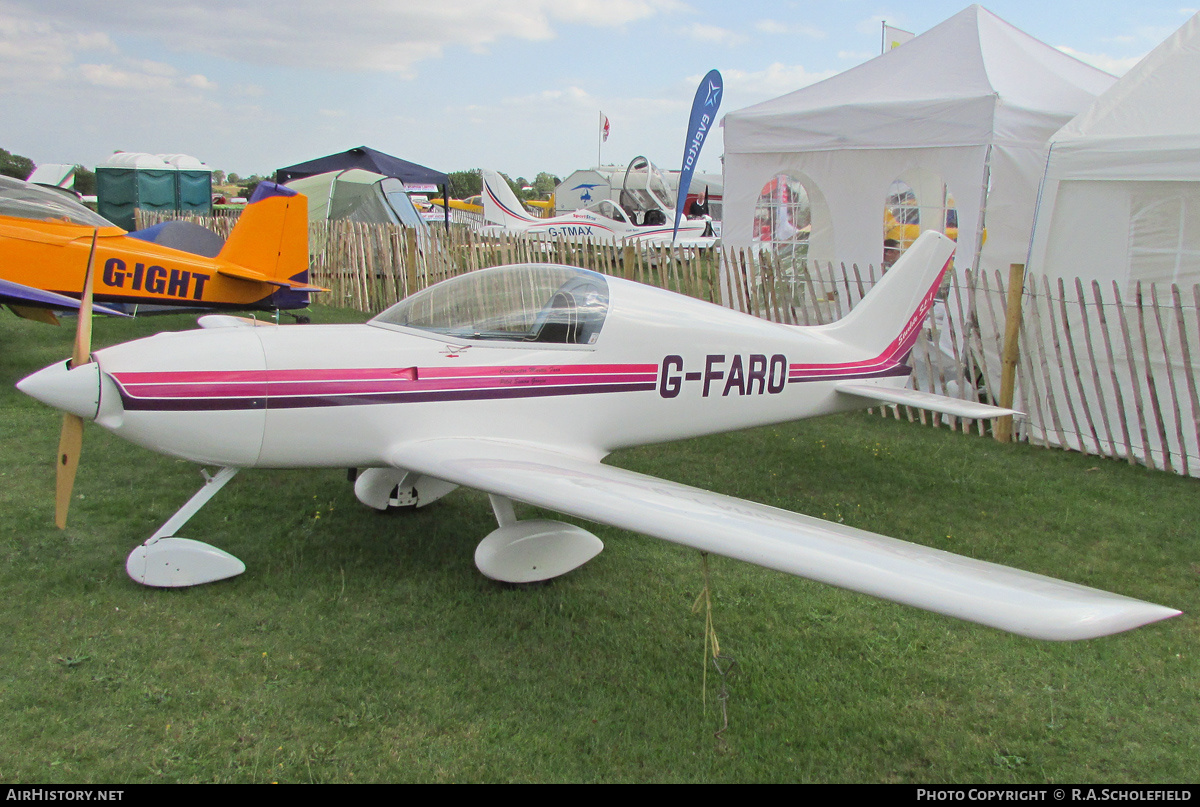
[
  {"x": 368, "y": 399},
  {"x": 887, "y": 372}
]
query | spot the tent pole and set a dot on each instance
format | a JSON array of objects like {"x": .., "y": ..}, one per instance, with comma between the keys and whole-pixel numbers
[{"x": 981, "y": 225}]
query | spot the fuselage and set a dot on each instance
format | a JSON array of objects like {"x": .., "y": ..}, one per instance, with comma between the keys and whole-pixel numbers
[
  {"x": 581, "y": 224},
  {"x": 663, "y": 367},
  {"x": 47, "y": 243},
  {"x": 54, "y": 256}
]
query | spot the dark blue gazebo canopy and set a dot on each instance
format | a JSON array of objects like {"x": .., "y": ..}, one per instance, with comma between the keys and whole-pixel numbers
[{"x": 368, "y": 159}]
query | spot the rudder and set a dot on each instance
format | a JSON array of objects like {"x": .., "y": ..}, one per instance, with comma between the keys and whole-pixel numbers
[
  {"x": 888, "y": 319},
  {"x": 500, "y": 204},
  {"x": 271, "y": 237}
]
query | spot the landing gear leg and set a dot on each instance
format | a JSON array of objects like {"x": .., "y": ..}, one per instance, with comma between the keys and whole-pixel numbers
[
  {"x": 165, "y": 561},
  {"x": 531, "y": 551}
]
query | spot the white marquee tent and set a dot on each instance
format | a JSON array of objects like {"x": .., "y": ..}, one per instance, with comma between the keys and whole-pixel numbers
[
  {"x": 965, "y": 108},
  {"x": 1119, "y": 207},
  {"x": 1121, "y": 196}
]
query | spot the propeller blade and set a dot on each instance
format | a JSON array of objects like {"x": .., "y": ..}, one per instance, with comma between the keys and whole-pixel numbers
[
  {"x": 83, "y": 331},
  {"x": 70, "y": 442}
]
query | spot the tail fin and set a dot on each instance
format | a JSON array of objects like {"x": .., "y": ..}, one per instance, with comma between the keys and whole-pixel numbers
[
  {"x": 500, "y": 204},
  {"x": 885, "y": 325},
  {"x": 887, "y": 320},
  {"x": 270, "y": 244},
  {"x": 271, "y": 236}
]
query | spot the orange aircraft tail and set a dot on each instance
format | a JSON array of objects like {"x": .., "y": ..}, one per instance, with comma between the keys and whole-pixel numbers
[{"x": 270, "y": 241}]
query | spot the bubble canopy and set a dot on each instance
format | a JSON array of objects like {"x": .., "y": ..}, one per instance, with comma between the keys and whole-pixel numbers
[
  {"x": 23, "y": 200},
  {"x": 531, "y": 302}
]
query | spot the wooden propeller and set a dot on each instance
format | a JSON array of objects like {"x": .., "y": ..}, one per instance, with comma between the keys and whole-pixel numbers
[{"x": 70, "y": 443}]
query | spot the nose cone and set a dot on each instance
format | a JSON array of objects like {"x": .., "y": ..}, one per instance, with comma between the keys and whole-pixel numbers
[{"x": 76, "y": 391}]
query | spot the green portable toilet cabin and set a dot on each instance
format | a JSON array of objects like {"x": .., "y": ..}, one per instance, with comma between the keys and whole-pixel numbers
[{"x": 127, "y": 181}]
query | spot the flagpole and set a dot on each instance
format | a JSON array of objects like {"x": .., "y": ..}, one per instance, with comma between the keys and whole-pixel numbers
[
  {"x": 883, "y": 37},
  {"x": 599, "y": 135}
]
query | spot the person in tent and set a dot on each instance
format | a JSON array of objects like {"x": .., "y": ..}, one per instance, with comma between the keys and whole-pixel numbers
[{"x": 891, "y": 252}]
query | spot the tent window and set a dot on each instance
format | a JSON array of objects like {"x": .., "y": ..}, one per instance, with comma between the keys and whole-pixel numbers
[
  {"x": 1164, "y": 235},
  {"x": 783, "y": 217},
  {"x": 910, "y": 209}
]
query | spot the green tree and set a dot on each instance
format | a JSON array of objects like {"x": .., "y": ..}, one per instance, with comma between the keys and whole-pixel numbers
[
  {"x": 85, "y": 181},
  {"x": 465, "y": 183},
  {"x": 248, "y": 185},
  {"x": 545, "y": 184},
  {"x": 14, "y": 165},
  {"x": 517, "y": 185}
]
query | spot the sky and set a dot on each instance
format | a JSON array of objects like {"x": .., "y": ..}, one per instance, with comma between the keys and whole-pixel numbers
[{"x": 519, "y": 86}]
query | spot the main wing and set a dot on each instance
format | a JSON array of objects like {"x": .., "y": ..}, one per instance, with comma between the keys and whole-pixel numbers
[
  {"x": 21, "y": 296},
  {"x": 999, "y": 596}
]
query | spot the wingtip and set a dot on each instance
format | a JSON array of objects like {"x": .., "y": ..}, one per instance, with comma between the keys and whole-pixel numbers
[{"x": 1135, "y": 614}]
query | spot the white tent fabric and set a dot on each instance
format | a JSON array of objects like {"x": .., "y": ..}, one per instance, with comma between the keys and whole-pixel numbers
[
  {"x": 1122, "y": 186},
  {"x": 1120, "y": 206},
  {"x": 967, "y": 106},
  {"x": 357, "y": 195}
]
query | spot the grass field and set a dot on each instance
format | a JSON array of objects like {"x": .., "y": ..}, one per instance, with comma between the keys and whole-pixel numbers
[{"x": 362, "y": 647}]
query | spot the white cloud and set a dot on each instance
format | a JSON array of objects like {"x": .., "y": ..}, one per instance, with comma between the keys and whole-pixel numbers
[
  {"x": 142, "y": 76},
  {"x": 35, "y": 51},
  {"x": 752, "y": 87},
  {"x": 775, "y": 27},
  {"x": 375, "y": 35},
  {"x": 199, "y": 82},
  {"x": 713, "y": 35},
  {"x": 608, "y": 13}
]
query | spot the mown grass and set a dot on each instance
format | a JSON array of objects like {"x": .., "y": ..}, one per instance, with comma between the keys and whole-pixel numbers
[{"x": 365, "y": 647}]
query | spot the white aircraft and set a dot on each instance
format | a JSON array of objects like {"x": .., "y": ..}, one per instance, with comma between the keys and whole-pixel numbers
[
  {"x": 645, "y": 215},
  {"x": 517, "y": 381}
]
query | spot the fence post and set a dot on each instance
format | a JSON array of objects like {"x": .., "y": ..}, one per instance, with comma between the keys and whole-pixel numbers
[
  {"x": 410, "y": 260},
  {"x": 1008, "y": 361}
]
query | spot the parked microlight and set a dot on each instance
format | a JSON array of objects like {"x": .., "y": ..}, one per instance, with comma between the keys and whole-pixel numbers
[
  {"x": 645, "y": 215},
  {"x": 46, "y": 244},
  {"x": 517, "y": 381}
]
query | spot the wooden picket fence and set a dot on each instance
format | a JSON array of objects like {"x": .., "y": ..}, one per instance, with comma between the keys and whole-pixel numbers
[
  {"x": 1108, "y": 373},
  {"x": 1097, "y": 372}
]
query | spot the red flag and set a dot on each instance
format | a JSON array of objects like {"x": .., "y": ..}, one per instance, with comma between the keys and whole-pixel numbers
[{"x": 605, "y": 129}]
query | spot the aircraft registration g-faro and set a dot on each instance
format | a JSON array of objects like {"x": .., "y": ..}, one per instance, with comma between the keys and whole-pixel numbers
[{"x": 517, "y": 381}]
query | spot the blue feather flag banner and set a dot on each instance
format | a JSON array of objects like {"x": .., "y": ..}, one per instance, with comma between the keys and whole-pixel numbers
[{"x": 704, "y": 117}]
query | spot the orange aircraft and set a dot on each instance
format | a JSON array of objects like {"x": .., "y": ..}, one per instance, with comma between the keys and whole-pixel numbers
[{"x": 48, "y": 240}]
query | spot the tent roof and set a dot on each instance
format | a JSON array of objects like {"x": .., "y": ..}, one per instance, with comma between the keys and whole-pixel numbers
[
  {"x": 368, "y": 159},
  {"x": 956, "y": 84},
  {"x": 1152, "y": 99}
]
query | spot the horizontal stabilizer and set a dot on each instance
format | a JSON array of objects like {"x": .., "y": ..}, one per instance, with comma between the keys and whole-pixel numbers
[
  {"x": 925, "y": 400},
  {"x": 1021, "y": 602},
  {"x": 242, "y": 273}
]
